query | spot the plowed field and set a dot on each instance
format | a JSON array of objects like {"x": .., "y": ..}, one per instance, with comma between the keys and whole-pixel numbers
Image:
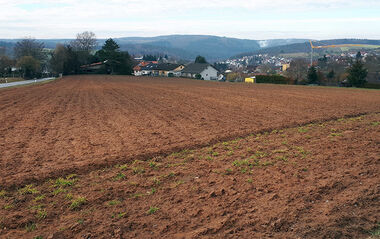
[
  {"x": 124, "y": 157},
  {"x": 82, "y": 123}
]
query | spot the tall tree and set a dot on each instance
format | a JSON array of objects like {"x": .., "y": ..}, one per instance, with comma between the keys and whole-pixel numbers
[
  {"x": 30, "y": 66},
  {"x": 357, "y": 74},
  {"x": 83, "y": 45},
  {"x": 116, "y": 61},
  {"x": 200, "y": 59},
  {"x": 298, "y": 70},
  {"x": 58, "y": 59},
  {"x": 5, "y": 65},
  {"x": 149, "y": 58},
  {"x": 72, "y": 63},
  {"x": 312, "y": 76},
  {"x": 85, "y": 41},
  {"x": 126, "y": 64},
  {"x": 109, "y": 51},
  {"x": 330, "y": 76},
  {"x": 29, "y": 47},
  {"x": 358, "y": 55}
]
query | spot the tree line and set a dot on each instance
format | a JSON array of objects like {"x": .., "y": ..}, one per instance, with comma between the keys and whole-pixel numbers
[
  {"x": 346, "y": 72},
  {"x": 33, "y": 60}
]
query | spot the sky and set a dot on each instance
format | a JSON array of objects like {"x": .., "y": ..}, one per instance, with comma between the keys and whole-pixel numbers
[{"x": 248, "y": 19}]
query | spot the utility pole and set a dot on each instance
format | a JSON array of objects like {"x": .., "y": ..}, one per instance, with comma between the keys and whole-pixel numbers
[
  {"x": 311, "y": 53},
  {"x": 311, "y": 56}
]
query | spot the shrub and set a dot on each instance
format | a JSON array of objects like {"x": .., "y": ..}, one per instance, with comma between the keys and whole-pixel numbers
[{"x": 272, "y": 79}]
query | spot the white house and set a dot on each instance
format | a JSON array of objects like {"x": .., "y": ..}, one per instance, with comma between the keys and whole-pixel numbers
[{"x": 203, "y": 71}]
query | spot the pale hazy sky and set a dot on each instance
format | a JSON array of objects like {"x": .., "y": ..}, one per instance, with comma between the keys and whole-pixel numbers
[{"x": 251, "y": 19}]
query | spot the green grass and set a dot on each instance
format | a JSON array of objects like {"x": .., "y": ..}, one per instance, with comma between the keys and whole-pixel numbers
[
  {"x": 153, "y": 165},
  {"x": 239, "y": 163},
  {"x": 114, "y": 202},
  {"x": 58, "y": 191},
  {"x": 228, "y": 171},
  {"x": 123, "y": 167},
  {"x": 377, "y": 123},
  {"x": 69, "y": 196},
  {"x": 156, "y": 181},
  {"x": 119, "y": 176},
  {"x": 119, "y": 215},
  {"x": 77, "y": 203},
  {"x": 28, "y": 189},
  {"x": 152, "y": 210},
  {"x": 303, "y": 130},
  {"x": 376, "y": 231},
  {"x": 179, "y": 182},
  {"x": 3, "y": 193},
  {"x": 209, "y": 158},
  {"x": 170, "y": 175},
  {"x": 30, "y": 227},
  {"x": 280, "y": 151},
  {"x": 295, "y": 55},
  {"x": 8, "y": 206},
  {"x": 41, "y": 214},
  {"x": 39, "y": 198},
  {"x": 303, "y": 152},
  {"x": 138, "y": 170},
  {"x": 336, "y": 134},
  {"x": 282, "y": 158},
  {"x": 61, "y": 182},
  {"x": 137, "y": 195},
  {"x": 215, "y": 154},
  {"x": 260, "y": 154}
]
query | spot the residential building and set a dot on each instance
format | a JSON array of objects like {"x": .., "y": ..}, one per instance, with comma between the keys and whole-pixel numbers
[
  {"x": 144, "y": 68},
  {"x": 203, "y": 71},
  {"x": 167, "y": 69}
]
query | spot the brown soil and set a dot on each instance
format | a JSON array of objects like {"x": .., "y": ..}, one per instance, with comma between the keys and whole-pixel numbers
[
  {"x": 83, "y": 123},
  {"x": 315, "y": 181}
]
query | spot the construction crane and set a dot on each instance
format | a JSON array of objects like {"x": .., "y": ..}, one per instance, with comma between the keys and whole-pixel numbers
[{"x": 328, "y": 46}]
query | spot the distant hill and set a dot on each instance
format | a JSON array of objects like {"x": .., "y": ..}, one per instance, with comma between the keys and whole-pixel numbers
[
  {"x": 189, "y": 46},
  {"x": 305, "y": 47},
  {"x": 185, "y": 47},
  {"x": 6, "y": 48},
  {"x": 214, "y": 48},
  {"x": 280, "y": 42}
]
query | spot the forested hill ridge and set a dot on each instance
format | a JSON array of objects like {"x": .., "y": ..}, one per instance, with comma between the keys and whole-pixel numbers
[
  {"x": 187, "y": 47},
  {"x": 305, "y": 46}
]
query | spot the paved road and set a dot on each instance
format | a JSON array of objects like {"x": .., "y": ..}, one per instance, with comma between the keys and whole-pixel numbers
[{"x": 25, "y": 82}]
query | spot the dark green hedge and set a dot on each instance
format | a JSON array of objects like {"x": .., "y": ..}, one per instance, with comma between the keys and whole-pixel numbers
[
  {"x": 371, "y": 86},
  {"x": 272, "y": 79}
]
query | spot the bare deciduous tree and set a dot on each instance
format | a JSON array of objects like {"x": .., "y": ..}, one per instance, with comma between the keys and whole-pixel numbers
[
  {"x": 298, "y": 70},
  {"x": 85, "y": 41},
  {"x": 29, "y": 47}
]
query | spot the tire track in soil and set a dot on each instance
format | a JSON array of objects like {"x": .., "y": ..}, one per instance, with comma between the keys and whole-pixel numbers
[{"x": 35, "y": 137}]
